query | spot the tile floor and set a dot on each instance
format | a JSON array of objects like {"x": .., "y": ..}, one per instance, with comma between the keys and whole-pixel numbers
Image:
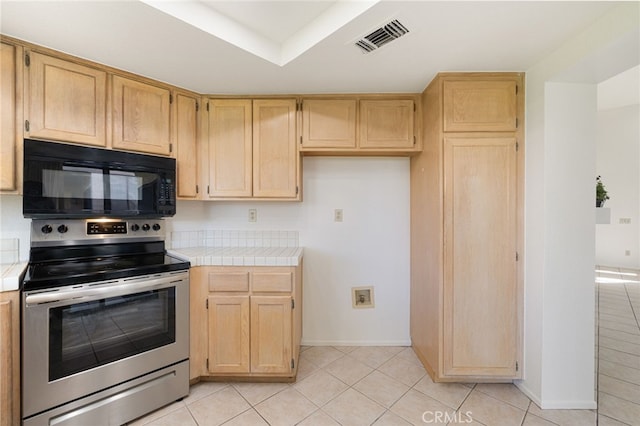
[{"x": 353, "y": 386}]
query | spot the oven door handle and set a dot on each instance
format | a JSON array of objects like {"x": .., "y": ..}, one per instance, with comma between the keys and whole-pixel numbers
[{"x": 105, "y": 291}]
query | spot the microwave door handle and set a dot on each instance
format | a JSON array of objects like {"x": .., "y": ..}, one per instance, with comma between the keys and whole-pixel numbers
[{"x": 111, "y": 290}]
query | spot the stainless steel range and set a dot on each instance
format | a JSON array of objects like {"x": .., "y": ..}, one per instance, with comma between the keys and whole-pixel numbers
[{"x": 105, "y": 322}]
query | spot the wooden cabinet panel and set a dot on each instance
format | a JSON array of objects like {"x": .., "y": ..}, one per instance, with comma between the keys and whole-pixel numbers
[
  {"x": 67, "y": 101},
  {"x": 275, "y": 163},
  {"x": 186, "y": 139},
  {"x": 386, "y": 124},
  {"x": 272, "y": 281},
  {"x": 480, "y": 106},
  {"x": 141, "y": 116},
  {"x": 8, "y": 111},
  {"x": 271, "y": 339},
  {"x": 229, "y": 281},
  {"x": 10, "y": 358},
  {"x": 480, "y": 281},
  {"x": 230, "y": 148},
  {"x": 329, "y": 123},
  {"x": 229, "y": 334}
]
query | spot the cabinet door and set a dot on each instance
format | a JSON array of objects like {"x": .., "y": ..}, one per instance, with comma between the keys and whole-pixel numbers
[
  {"x": 329, "y": 123},
  {"x": 230, "y": 148},
  {"x": 480, "y": 106},
  {"x": 228, "y": 334},
  {"x": 186, "y": 139},
  {"x": 141, "y": 117},
  {"x": 386, "y": 124},
  {"x": 10, "y": 358},
  {"x": 275, "y": 152},
  {"x": 481, "y": 319},
  {"x": 271, "y": 339},
  {"x": 67, "y": 101},
  {"x": 8, "y": 137}
]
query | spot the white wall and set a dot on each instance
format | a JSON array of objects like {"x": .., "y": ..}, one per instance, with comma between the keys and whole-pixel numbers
[
  {"x": 369, "y": 248},
  {"x": 618, "y": 162},
  {"x": 559, "y": 245}
]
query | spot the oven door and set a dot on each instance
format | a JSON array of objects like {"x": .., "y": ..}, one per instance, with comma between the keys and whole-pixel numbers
[{"x": 78, "y": 340}]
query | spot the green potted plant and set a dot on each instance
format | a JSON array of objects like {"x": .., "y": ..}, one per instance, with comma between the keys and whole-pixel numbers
[{"x": 601, "y": 193}]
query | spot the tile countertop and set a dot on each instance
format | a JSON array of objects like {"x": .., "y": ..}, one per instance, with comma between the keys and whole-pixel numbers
[
  {"x": 10, "y": 275},
  {"x": 240, "y": 256}
]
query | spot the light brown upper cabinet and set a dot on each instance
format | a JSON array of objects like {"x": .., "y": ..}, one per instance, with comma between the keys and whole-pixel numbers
[
  {"x": 386, "y": 124},
  {"x": 480, "y": 106},
  {"x": 275, "y": 152},
  {"x": 66, "y": 101},
  {"x": 329, "y": 123},
  {"x": 141, "y": 116},
  {"x": 252, "y": 150},
  {"x": 230, "y": 161},
  {"x": 10, "y": 180},
  {"x": 467, "y": 198},
  {"x": 186, "y": 138}
]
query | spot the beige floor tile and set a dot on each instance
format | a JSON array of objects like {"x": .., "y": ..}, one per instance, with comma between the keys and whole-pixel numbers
[
  {"x": 403, "y": 371},
  {"x": 375, "y": 356},
  {"x": 618, "y": 371},
  {"x": 305, "y": 368},
  {"x": 491, "y": 411},
  {"x": 320, "y": 387},
  {"x": 304, "y": 348},
  {"x": 249, "y": 417},
  {"x": 319, "y": 418},
  {"x": 608, "y": 421},
  {"x": 218, "y": 407},
  {"x": 620, "y": 335},
  {"x": 619, "y": 388},
  {"x": 390, "y": 419},
  {"x": 505, "y": 392},
  {"x": 415, "y": 407},
  {"x": 381, "y": 388},
  {"x": 348, "y": 369},
  {"x": 354, "y": 409},
  {"x": 618, "y": 357},
  {"x": 451, "y": 394},
  {"x": 321, "y": 355},
  {"x": 179, "y": 417},
  {"x": 202, "y": 389},
  {"x": 255, "y": 393},
  {"x": 612, "y": 325},
  {"x": 619, "y": 345},
  {"x": 531, "y": 420},
  {"x": 565, "y": 417},
  {"x": 618, "y": 409},
  {"x": 409, "y": 355},
  {"x": 286, "y": 408},
  {"x": 346, "y": 349}
]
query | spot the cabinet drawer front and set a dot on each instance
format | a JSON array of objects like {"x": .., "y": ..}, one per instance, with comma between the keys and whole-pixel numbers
[
  {"x": 229, "y": 281},
  {"x": 272, "y": 281}
]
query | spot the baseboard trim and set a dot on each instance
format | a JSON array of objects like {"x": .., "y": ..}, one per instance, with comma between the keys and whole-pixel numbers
[{"x": 556, "y": 405}]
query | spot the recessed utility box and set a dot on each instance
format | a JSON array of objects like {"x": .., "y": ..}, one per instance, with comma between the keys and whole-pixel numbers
[{"x": 362, "y": 297}]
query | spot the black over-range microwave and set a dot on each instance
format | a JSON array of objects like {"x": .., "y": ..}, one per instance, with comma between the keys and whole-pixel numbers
[{"x": 71, "y": 181}]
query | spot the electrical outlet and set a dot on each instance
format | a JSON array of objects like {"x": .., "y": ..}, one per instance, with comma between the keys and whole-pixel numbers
[
  {"x": 627, "y": 252},
  {"x": 253, "y": 215},
  {"x": 337, "y": 215},
  {"x": 624, "y": 220}
]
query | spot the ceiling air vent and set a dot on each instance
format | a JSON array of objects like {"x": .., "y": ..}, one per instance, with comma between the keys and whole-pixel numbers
[{"x": 381, "y": 36}]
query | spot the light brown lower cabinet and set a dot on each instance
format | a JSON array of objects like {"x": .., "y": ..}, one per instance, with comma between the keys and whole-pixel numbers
[
  {"x": 246, "y": 322},
  {"x": 9, "y": 358}
]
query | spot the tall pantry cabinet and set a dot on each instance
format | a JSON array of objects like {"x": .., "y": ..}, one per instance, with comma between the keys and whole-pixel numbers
[{"x": 467, "y": 228}]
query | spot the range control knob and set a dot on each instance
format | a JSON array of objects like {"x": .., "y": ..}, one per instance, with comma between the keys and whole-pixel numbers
[
  {"x": 146, "y": 227},
  {"x": 46, "y": 229},
  {"x": 135, "y": 227},
  {"x": 62, "y": 229},
  {"x": 156, "y": 226}
]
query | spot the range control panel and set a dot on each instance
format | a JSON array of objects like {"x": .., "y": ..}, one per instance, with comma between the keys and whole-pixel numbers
[{"x": 47, "y": 232}]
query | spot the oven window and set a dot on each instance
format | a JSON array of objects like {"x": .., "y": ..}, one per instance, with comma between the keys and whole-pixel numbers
[{"x": 90, "y": 334}]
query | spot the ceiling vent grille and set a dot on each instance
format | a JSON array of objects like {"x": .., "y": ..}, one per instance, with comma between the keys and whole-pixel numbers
[{"x": 381, "y": 36}]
